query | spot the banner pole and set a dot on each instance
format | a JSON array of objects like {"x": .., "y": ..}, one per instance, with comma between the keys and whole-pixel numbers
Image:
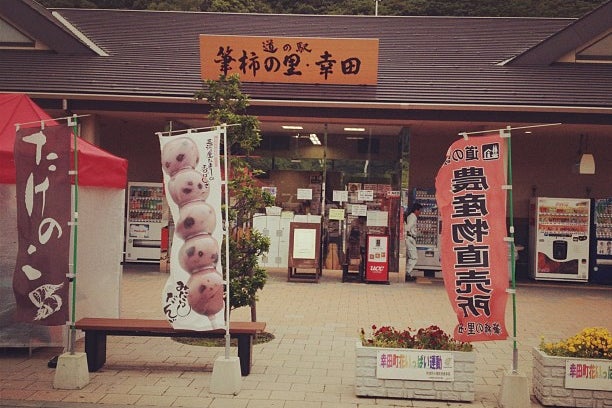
[
  {"x": 507, "y": 131},
  {"x": 227, "y": 238},
  {"x": 73, "y": 122}
]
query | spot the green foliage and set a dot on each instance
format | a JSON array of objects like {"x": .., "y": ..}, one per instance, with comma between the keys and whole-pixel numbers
[
  {"x": 228, "y": 106},
  {"x": 247, "y": 277},
  {"x": 477, "y": 8}
]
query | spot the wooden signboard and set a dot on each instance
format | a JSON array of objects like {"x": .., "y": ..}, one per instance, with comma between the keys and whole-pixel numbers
[
  {"x": 304, "y": 60},
  {"x": 304, "y": 251}
]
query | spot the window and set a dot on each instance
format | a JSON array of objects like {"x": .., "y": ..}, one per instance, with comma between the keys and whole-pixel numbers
[
  {"x": 10, "y": 37},
  {"x": 599, "y": 51}
]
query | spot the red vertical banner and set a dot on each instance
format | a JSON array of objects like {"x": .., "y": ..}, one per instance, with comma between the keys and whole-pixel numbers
[
  {"x": 474, "y": 255},
  {"x": 40, "y": 284}
]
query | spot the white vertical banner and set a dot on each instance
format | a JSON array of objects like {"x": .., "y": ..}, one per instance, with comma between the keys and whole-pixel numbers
[{"x": 193, "y": 295}]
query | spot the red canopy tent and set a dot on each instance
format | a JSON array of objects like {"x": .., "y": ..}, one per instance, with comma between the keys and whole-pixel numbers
[{"x": 96, "y": 167}]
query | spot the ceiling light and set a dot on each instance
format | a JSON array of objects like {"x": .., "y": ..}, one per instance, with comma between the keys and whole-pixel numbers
[
  {"x": 292, "y": 127},
  {"x": 315, "y": 139},
  {"x": 354, "y": 129},
  {"x": 355, "y": 138},
  {"x": 586, "y": 165}
]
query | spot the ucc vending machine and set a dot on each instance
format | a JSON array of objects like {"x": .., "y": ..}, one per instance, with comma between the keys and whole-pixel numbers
[
  {"x": 559, "y": 238},
  {"x": 144, "y": 222},
  {"x": 377, "y": 258},
  {"x": 601, "y": 242}
]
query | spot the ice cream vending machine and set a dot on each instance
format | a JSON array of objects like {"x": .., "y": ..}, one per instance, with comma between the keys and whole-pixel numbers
[
  {"x": 601, "y": 242},
  {"x": 144, "y": 222},
  {"x": 559, "y": 238},
  {"x": 377, "y": 258}
]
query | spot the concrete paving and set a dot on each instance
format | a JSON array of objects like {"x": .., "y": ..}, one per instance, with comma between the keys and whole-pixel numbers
[{"x": 310, "y": 363}]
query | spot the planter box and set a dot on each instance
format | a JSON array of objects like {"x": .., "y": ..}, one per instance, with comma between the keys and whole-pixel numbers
[
  {"x": 367, "y": 384},
  {"x": 550, "y": 388}
]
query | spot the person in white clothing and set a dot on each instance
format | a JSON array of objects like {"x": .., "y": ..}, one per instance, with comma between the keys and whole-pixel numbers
[{"x": 410, "y": 229}]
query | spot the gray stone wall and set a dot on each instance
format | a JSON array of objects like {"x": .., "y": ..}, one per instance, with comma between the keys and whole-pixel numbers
[
  {"x": 367, "y": 385},
  {"x": 549, "y": 385}
]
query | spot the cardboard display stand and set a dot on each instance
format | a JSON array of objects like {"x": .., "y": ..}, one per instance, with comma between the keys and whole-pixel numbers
[{"x": 304, "y": 252}]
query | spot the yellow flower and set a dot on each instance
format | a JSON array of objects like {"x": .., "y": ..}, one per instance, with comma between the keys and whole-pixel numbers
[{"x": 592, "y": 342}]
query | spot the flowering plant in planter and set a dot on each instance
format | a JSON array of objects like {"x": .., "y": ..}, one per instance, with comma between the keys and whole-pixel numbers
[
  {"x": 592, "y": 342},
  {"x": 429, "y": 338}
]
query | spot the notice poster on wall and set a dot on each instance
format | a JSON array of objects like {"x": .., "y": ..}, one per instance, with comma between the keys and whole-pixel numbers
[{"x": 193, "y": 297}]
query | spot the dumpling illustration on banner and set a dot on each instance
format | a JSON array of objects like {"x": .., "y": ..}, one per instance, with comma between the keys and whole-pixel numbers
[
  {"x": 180, "y": 153},
  {"x": 193, "y": 297}
]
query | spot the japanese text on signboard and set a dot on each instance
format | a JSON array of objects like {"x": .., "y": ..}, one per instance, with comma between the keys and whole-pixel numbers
[
  {"x": 42, "y": 159},
  {"x": 290, "y": 60},
  {"x": 474, "y": 262}
]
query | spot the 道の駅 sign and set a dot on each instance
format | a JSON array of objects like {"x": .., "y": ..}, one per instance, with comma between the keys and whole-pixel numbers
[{"x": 305, "y": 60}]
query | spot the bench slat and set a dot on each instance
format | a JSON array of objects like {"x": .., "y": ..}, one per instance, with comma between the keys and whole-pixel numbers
[{"x": 159, "y": 326}]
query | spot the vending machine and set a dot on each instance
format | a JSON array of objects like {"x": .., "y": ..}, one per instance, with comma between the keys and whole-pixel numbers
[
  {"x": 144, "y": 222},
  {"x": 601, "y": 242},
  {"x": 559, "y": 238},
  {"x": 428, "y": 227}
]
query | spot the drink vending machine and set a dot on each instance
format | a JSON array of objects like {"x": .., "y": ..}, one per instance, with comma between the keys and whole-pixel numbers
[
  {"x": 559, "y": 238},
  {"x": 428, "y": 227},
  {"x": 144, "y": 222},
  {"x": 601, "y": 244}
]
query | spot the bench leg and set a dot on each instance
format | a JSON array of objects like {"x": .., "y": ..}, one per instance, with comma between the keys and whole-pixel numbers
[
  {"x": 95, "y": 348},
  {"x": 245, "y": 348}
]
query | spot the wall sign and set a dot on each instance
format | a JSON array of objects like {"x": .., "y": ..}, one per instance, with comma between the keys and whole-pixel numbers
[
  {"x": 419, "y": 365},
  {"x": 588, "y": 374},
  {"x": 307, "y": 60}
]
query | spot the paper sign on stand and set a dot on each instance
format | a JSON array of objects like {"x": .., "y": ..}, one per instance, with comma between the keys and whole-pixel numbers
[
  {"x": 359, "y": 210},
  {"x": 340, "y": 196},
  {"x": 304, "y": 193},
  {"x": 377, "y": 219},
  {"x": 365, "y": 195}
]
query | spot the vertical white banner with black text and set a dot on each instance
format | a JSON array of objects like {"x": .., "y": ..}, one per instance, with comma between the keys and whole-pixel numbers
[{"x": 193, "y": 297}]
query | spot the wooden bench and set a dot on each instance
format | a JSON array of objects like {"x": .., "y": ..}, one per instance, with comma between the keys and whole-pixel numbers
[{"x": 97, "y": 329}]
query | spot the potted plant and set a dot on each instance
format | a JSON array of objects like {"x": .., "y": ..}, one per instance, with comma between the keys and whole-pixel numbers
[
  {"x": 423, "y": 364},
  {"x": 575, "y": 372}
]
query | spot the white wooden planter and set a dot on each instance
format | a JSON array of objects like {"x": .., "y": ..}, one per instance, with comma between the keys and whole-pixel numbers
[
  {"x": 551, "y": 387},
  {"x": 367, "y": 384}
]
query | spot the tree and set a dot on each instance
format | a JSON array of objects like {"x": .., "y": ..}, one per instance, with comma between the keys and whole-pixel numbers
[
  {"x": 228, "y": 106},
  {"x": 465, "y": 8}
]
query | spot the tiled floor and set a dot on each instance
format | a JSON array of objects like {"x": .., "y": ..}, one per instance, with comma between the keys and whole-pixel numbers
[{"x": 310, "y": 363}]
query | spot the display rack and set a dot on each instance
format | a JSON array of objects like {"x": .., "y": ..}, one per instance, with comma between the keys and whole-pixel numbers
[
  {"x": 559, "y": 238},
  {"x": 601, "y": 254},
  {"x": 428, "y": 227},
  {"x": 144, "y": 222}
]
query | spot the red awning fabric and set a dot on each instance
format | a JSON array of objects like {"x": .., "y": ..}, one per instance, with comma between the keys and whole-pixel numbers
[{"x": 97, "y": 167}]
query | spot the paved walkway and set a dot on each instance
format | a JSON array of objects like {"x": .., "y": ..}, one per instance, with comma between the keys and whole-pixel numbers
[{"x": 310, "y": 363}]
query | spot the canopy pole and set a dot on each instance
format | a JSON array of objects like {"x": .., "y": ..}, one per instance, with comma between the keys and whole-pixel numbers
[
  {"x": 75, "y": 128},
  {"x": 227, "y": 238},
  {"x": 506, "y": 133}
]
